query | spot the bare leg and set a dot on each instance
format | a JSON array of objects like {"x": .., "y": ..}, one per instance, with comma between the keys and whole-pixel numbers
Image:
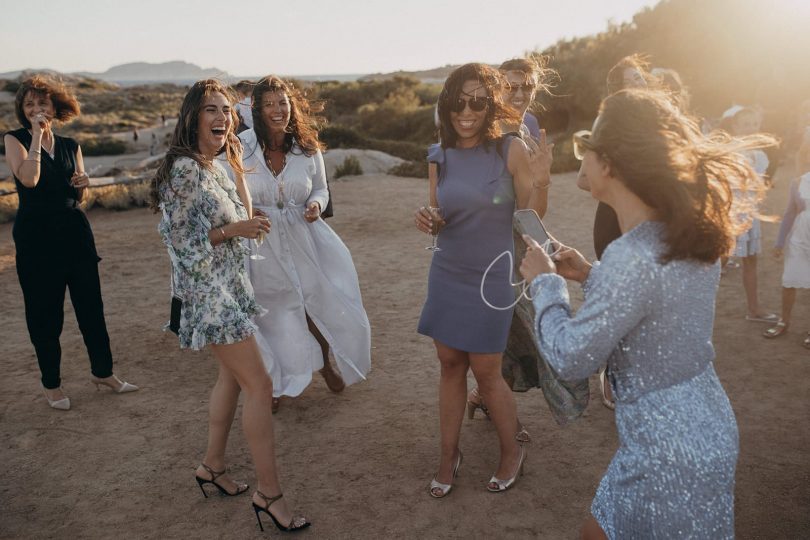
[
  {"x": 788, "y": 299},
  {"x": 592, "y": 531},
  {"x": 333, "y": 379},
  {"x": 452, "y": 401},
  {"x": 244, "y": 362},
  {"x": 502, "y": 409},
  {"x": 222, "y": 407},
  {"x": 749, "y": 278}
]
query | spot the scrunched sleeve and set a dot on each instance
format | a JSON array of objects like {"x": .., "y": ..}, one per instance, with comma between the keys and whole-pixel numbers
[
  {"x": 319, "y": 193},
  {"x": 186, "y": 225},
  {"x": 618, "y": 295},
  {"x": 435, "y": 154}
]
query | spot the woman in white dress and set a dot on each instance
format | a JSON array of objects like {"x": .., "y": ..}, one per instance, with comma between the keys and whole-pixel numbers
[
  {"x": 794, "y": 243},
  {"x": 306, "y": 279}
]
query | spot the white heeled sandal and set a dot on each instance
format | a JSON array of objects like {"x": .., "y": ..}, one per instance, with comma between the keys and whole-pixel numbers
[
  {"x": 438, "y": 490},
  {"x": 496, "y": 485}
]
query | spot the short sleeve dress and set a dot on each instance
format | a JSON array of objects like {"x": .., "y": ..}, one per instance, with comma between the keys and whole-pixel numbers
[
  {"x": 212, "y": 282},
  {"x": 476, "y": 194}
]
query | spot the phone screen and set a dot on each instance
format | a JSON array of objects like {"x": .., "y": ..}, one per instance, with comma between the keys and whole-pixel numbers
[{"x": 528, "y": 222}]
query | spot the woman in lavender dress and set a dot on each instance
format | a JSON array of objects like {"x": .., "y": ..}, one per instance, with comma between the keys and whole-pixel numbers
[
  {"x": 648, "y": 313},
  {"x": 482, "y": 179}
]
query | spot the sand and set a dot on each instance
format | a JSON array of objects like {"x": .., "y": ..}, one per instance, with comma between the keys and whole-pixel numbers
[{"x": 358, "y": 464}]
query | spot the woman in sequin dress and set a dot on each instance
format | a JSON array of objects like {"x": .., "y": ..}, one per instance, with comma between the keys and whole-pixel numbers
[
  {"x": 205, "y": 216},
  {"x": 649, "y": 312}
]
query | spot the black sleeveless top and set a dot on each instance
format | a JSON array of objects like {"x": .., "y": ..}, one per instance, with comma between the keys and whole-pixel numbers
[{"x": 49, "y": 221}]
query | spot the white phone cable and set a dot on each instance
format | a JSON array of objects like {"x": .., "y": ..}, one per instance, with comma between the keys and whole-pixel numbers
[{"x": 525, "y": 286}]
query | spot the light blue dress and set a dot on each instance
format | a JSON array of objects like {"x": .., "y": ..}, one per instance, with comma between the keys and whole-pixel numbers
[
  {"x": 673, "y": 474},
  {"x": 476, "y": 193}
]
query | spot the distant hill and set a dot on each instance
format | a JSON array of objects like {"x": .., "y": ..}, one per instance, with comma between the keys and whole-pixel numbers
[
  {"x": 435, "y": 75},
  {"x": 140, "y": 73},
  {"x": 164, "y": 72}
]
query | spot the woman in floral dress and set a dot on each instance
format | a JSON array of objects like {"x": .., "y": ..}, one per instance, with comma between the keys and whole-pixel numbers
[{"x": 204, "y": 217}]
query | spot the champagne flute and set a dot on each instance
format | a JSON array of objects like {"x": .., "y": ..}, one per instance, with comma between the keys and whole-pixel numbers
[
  {"x": 436, "y": 213},
  {"x": 256, "y": 256}
]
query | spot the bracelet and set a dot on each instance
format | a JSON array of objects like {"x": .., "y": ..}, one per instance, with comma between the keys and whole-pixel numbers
[
  {"x": 35, "y": 160},
  {"x": 224, "y": 236},
  {"x": 541, "y": 186},
  {"x": 35, "y": 152}
]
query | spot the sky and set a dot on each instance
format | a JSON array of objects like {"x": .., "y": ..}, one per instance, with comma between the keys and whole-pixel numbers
[{"x": 251, "y": 37}]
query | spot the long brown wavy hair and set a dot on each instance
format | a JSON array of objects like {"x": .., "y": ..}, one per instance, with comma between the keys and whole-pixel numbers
[
  {"x": 615, "y": 77},
  {"x": 64, "y": 102},
  {"x": 659, "y": 154},
  {"x": 494, "y": 84},
  {"x": 184, "y": 139},
  {"x": 303, "y": 119},
  {"x": 534, "y": 67}
]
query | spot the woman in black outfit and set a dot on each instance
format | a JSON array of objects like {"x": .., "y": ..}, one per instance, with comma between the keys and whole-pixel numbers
[{"x": 53, "y": 240}]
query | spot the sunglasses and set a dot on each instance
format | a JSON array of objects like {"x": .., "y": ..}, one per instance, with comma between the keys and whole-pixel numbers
[
  {"x": 476, "y": 104},
  {"x": 526, "y": 87},
  {"x": 583, "y": 143}
]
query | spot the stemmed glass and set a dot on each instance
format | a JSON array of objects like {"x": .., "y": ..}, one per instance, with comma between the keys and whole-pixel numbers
[
  {"x": 256, "y": 256},
  {"x": 437, "y": 213}
]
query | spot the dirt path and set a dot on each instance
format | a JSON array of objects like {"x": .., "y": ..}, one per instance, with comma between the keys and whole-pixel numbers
[{"x": 357, "y": 463}]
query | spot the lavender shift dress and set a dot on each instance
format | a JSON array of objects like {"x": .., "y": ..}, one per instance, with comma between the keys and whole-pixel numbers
[{"x": 475, "y": 190}]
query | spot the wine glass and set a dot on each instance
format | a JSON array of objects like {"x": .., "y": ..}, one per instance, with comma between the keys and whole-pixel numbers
[
  {"x": 256, "y": 256},
  {"x": 437, "y": 213}
]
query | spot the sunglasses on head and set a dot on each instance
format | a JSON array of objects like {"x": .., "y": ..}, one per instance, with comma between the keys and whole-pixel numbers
[
  {"x": 526, "y": 87},
  {"x": 476, "y": 104},
  {"x": 583, "y": 143}
]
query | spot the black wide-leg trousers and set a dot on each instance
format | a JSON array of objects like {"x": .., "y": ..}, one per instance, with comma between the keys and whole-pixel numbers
[{"x": 43, "y": 285}]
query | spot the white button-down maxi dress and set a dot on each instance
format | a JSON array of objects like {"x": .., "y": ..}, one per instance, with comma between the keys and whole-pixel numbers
[{"x": 306, "y": 270}]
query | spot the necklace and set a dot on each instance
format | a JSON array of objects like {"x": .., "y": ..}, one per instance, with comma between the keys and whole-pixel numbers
[
  {"x": 53, "y": 146},
  {"x": 277, "y": 176}
]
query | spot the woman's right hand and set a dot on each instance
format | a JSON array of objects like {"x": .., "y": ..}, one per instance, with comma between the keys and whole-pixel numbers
[
  {"x": 424, "y": 220},
  {"x": 571, "y": 264},
  {"x": 41, "y": 124},
  {"x": 250, "y": 228}
]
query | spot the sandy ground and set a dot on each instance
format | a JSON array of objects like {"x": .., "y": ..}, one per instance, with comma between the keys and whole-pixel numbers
[{"x": 358, "y": 464}]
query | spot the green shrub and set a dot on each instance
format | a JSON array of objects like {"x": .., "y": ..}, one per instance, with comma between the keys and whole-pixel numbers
[
  {"x": 349, "y": 167},
  {"x": 11, "y": 86},
  {"x": 401, "y": 149},
  {"x": 346, "y": 137},
  {"x": 102, "y": 146},
  {"x": 563, "y": 153},
  {"x": 342, "y": 137},
  {"x": 412, "y": 169}
]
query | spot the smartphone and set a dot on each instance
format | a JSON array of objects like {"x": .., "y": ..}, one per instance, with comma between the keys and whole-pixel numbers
[{"x": 528, "y": 222}]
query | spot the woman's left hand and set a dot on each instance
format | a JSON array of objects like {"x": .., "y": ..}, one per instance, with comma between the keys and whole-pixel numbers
[
  {"x": 536, "y": 261},
  {"x": 313, "y": 212},
  {"x": 80, "y": 180}
]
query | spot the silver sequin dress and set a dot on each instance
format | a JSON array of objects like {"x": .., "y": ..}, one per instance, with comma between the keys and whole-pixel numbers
[{"x": 673, "y": 474}]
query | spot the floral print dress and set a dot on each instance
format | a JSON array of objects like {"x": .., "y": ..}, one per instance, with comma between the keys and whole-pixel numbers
[{"x": 212, "y": 282}]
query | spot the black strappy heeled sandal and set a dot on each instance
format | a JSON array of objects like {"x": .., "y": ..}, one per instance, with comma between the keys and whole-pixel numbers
[
  {"x": 240, "y": 488},
  {"x": 297, "y": 523}
]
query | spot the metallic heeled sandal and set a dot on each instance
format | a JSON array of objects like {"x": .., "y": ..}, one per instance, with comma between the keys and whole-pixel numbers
[
  {"x": 438, "y": 490},
  {"x": 496, "y": 485}
]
